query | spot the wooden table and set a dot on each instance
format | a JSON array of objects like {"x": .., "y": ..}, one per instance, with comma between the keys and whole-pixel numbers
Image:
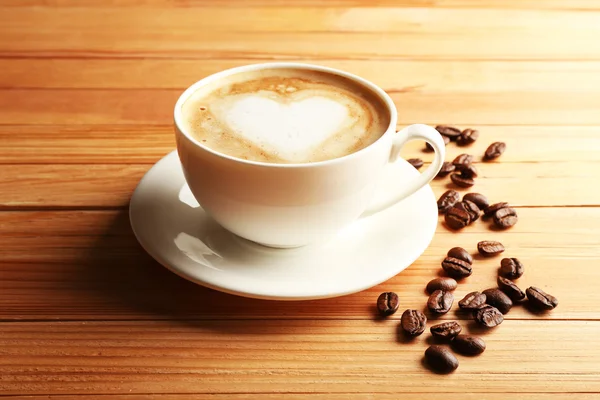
[{"x": 87, "y": 91}]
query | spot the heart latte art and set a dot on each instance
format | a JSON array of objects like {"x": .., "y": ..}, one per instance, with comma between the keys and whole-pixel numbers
[{"x": 295, "y": 116}]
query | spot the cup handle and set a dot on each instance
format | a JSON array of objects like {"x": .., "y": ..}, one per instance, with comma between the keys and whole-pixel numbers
[{"x": 412, "y": 132}]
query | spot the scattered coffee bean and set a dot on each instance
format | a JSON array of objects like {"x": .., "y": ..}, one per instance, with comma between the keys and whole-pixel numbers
[
  {"x": 415, "y": 162},
  {"x": 446, "y": 284},
  {"x": 413, "y": 322},
  {"x": 440, "y": 302},
  {"x": 440, "y": 359},
  {"x": 449, "y": 131},
  {"x": 387, "y": 303},
  {"x": 488, "y": 316},
  {"x": 457, "y": 218},
  {"x": 462, "y": 159},
  {"x": 470, "y": 208},
  {"x": 447, "y": 167},
  {"x": 511, "y": 268},
  {"x": 494, "y": 150},
  {"x": 457, "y": 268},
  {"x": 467, "y": 170},
  {"x": 540, "y": 299},
  {"x": 497, "y": 298},
  {"x": 472, "y": 301},
  {"x": 429, "y": 147},
  {"x": 467, "y": 137},
  {"x": 448, "y": 200},
  {"x": 468, "y": 345},
  {"x": 480, "y": 200},
  {"x": 488, "y": 248},
  {"x": 511, "y": 289},
  {"x": 491, "y": 210},
  {"x": 461, "y": 254},
  {"x": 447, "y": 330},
  {"x": 461, "y": 181},
  {"x": 461, "y": 205},
  {"x": 505, "y": 217}
]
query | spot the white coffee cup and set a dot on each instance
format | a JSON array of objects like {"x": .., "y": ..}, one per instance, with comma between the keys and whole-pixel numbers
[{"x": 290, "y": 205}]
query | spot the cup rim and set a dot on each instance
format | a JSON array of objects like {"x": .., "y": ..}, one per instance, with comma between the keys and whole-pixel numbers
[{"x": 391, "y": 129}]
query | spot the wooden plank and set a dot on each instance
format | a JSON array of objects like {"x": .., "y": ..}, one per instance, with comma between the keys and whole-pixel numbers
[
  {"x": 87, "y": 265},
  {"x": 51, "y": 107},
  {"x": 125, "y": 286},
  {"x": 391, "y": 75},
  {"x": 56, "y": 107},
  {"x": 80, "y": 144},
  {"x": 99, "y": 185},
  {"x": 285, "y": 356},
  {"x": 302, "y": 33},
  {"x": 129, "y": 144},
  {"x": 505, "y": 4},
  {"x": 319, "y": 396}
]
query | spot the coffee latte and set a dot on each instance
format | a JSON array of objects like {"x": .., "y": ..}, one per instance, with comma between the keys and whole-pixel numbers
[{"x": 285, "y": 116}]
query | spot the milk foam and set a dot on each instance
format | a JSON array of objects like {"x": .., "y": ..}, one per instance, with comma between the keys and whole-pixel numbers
[
  {"x": 292, "y": 128},
  {"x": 291, "y": 116}
]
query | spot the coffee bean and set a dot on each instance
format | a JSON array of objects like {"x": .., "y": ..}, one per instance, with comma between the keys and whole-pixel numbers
[
  {"x": 505, "y": 217},
  {"x": 467, "y": 137},
  {"x": 413, "y": 322},
  {"x": 511, "y": 289},
  {"x": 480, "y": 200},
  {"x": 449, "y": 131},
  {"x": 511, "y": 268},
  {"x": 540, "y": 299},
  {"x": 387, "y": 303},
  {"x": 457, "y": 268},
  {"x": 457, "y": 218},
  {"x": 468, "y": 345},
  {"x": 447, "y": 330},
  {"x": 494, "y": 151},
  {"x": 461, "y": 254},
  {"x": 497, "y": 298},
  {"x": 429, "y": 147},
  {"x": 472, "y": 301},
  {"x": 448, "y": 200},
  {"x": 467, "y": 170},
  {"x": 488, "y": 316},
  {"x": 447, "y": 167},
  {"x": 461, "y": 181},
  {"x": 415, "y": 162},
  {"x": 489, "y": 248},
  {"x": 440, "y": 359},
  {"x": 446, "y": 284},
  {"x": 463, "y": 159},
  {"x": 440, "y": 302},
  {"x": 491, "y": 210},
  {"x": 470, "y": 208}
]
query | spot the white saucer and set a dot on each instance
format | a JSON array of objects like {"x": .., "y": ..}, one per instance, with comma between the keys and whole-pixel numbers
[{"x": 175, "y": 231}]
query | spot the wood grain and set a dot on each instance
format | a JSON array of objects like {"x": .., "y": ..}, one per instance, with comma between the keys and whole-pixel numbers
[
  {"x": 326, "y": 396},
  {"x": 137, "y": 106},
  {"x": 91, "y": 185},
  {"x": 87, "y": 265},
  {"x": 577, "y": 5},
  {"x": 391, "y": 75},
  {"x": 110, "y": 357},
  {"x": 493, "y": 4},
  {"x": 136, "y": 288},
  {"x": 302, "y": 33},
  {"x": 535, "y": 234},
  {"x": 135, "y": 144}
]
